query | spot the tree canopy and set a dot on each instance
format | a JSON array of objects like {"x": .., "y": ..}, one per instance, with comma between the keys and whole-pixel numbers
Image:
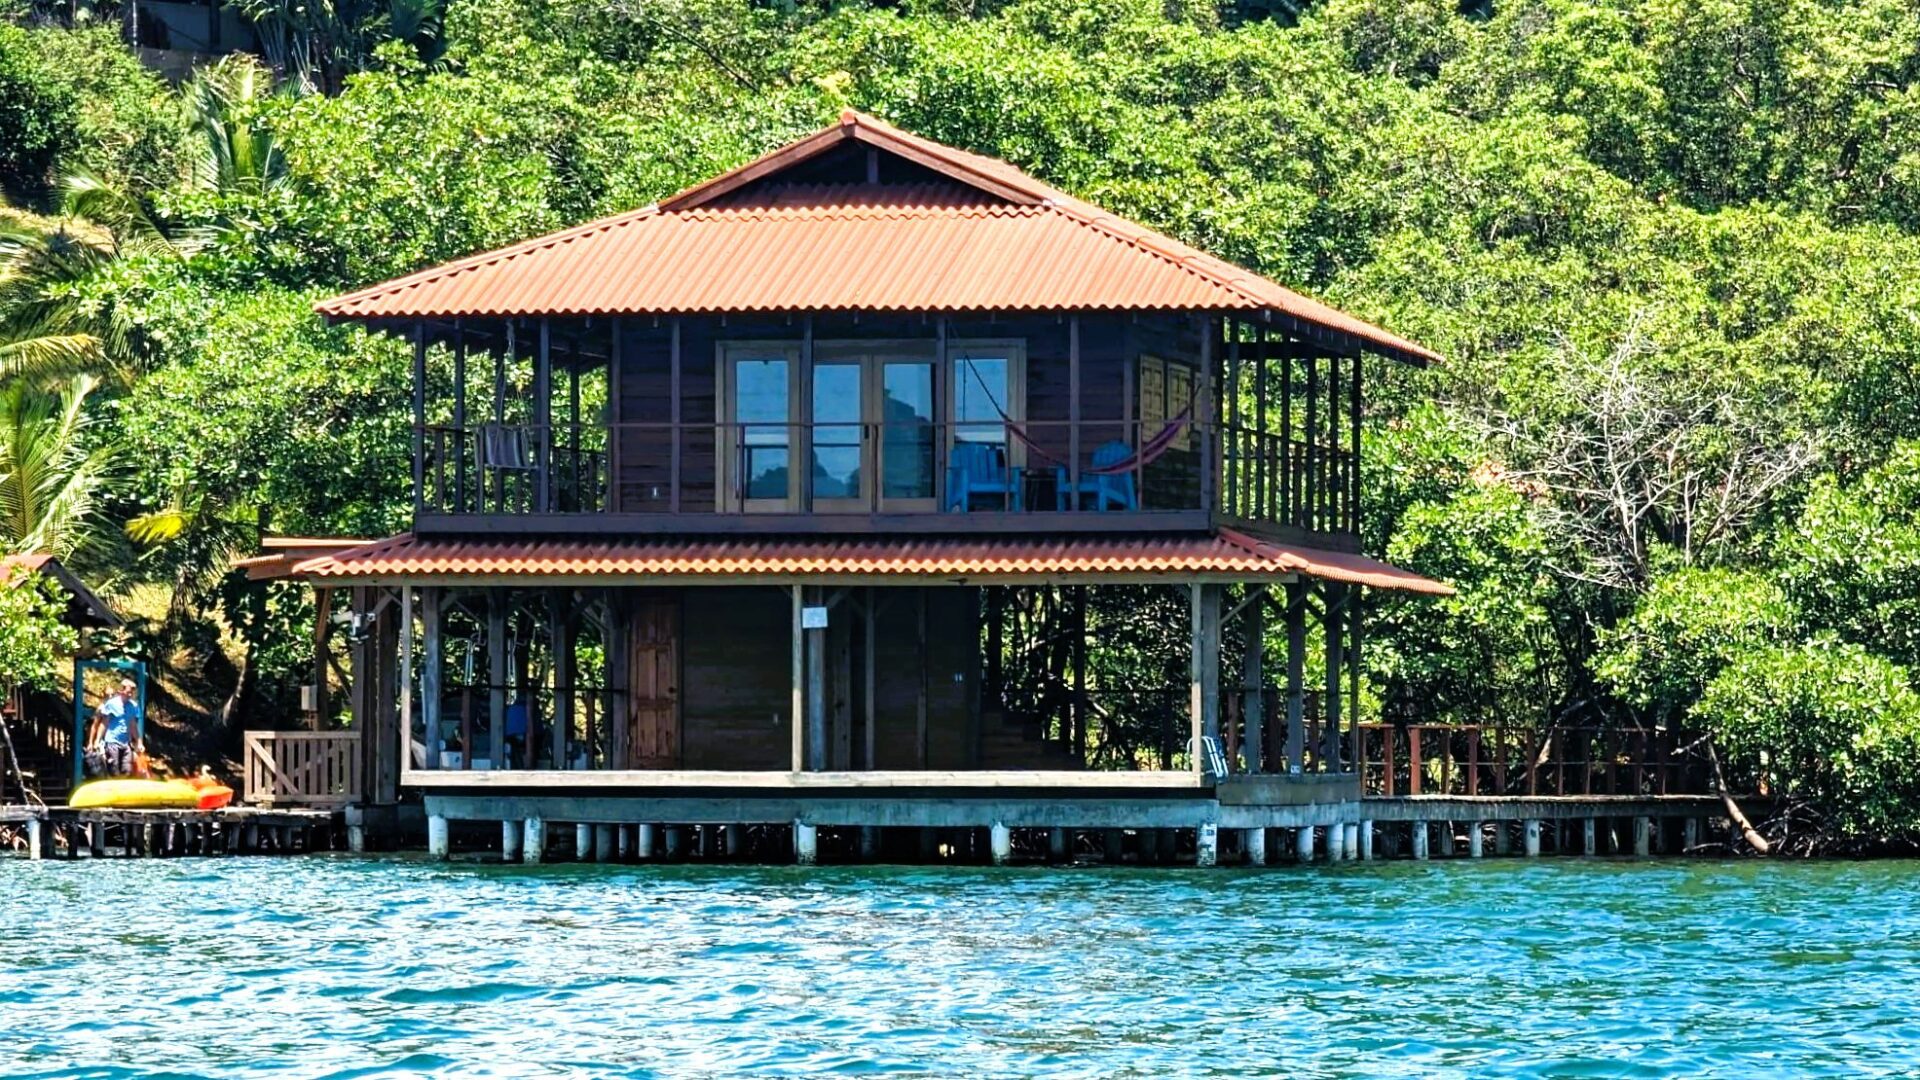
[{"x": 1667, "y": 248}]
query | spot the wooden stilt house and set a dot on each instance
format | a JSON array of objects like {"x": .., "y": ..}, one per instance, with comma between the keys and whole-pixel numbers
[{"x": 721, "y": 503}]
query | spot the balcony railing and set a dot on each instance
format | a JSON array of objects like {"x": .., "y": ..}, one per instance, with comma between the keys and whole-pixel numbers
[{"x": 1091, "y": 467}]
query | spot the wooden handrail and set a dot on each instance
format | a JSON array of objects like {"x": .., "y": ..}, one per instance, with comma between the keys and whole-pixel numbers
[{"x": 317, "y": 769}]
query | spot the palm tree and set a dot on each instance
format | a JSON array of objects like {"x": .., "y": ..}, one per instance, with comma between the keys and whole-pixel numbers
[
  {"x": 53, "y": 472},
  {"x": 235, "y": 153}
]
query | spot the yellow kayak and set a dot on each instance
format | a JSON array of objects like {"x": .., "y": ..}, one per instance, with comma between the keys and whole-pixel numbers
[{"x": 135, "y": 795}]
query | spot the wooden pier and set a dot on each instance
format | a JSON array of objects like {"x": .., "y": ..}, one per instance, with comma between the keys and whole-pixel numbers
[{"x": 59, "y": 831}]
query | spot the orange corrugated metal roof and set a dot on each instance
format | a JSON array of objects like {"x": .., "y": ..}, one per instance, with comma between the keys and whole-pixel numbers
[
  {"x": 780, "y": 557},
  {"x": 990, "y": 239}
]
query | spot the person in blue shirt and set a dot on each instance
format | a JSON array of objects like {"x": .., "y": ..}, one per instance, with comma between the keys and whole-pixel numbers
[{"x": 113, "y": 736}]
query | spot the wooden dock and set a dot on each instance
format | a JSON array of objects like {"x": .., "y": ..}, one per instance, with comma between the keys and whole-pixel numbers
[{"x": 59, "y": 831}]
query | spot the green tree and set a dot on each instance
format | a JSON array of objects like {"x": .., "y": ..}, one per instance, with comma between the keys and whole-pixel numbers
[{"x": 55, "y": 472}]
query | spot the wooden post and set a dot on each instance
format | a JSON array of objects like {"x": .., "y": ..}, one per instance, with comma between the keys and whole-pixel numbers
[
  {"x": 406, "y": 674},
  {"x": 817, "y": 694},
  {"x": 1073, "y": 412},
  {"x": 562, "y": 636},
  {"x": 1334, "y": 596},
  {"x": 432, "y": 672},
  {"x": 921, "y": 690},
  {"x": 869, "y": 649},
  {"x": 1204, "y": 690},
  {"x": 673, "y": 457},
  {"x": 802, "y": 459},
  {"x": 841, "y": 635},
  {"x": 1079, "y": 714},
  {"x": 543, "y": 421},
  {"x": 497, "y": 678},
  {"x": 799, "y": 714},
  {"x": 419, "y": 417},
  {"x": 1296, "y": 616},
  {"x": 1252, "y": 676}
]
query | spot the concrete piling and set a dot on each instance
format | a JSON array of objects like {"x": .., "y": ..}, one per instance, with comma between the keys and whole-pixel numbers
[
  {"x": 534, "y": 841},
  {"x": 1532, "y": 838},
  {"x": 1350, "y": 840},
  {"x": 1642, "y": 837},
  {"x": 1366, "y": 841},
  {"x": 1206, "y": 844},
  {"x": 806, "y": 843},
  {"x": 1057, "y": 845},
  {"x": 1420, "y": 838},
  {"x": 1476, "y": 842},
  {"x": 644, "y": 838},
  {"x": 1589, "y": 840},
  {"x": 1303, "y": 844},
  {"x": 510, "y": 834},
  {"x": 1001, "y": 843},
  {"x": 437, "y": 843},
  {"x": 602, "y": 843},
  {"x": 1254, "y": 843}
]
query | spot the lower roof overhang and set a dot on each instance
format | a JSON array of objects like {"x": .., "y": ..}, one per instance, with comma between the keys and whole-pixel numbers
[{"x": 1224, "y": 555}]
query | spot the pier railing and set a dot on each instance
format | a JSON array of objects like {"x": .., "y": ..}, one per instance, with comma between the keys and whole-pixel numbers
[
  {"x": 1475, "y": 759},
  {"x": 317, "y": 769}
]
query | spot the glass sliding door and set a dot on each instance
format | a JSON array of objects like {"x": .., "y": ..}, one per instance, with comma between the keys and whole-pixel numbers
[
  {"x": 906, "y": 425},
  {"x": 839, "y": 451},
  {"x": 759, "y": 440}
]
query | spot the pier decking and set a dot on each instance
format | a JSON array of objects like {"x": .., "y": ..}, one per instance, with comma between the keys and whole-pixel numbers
[{"x": 53, "y": 831}]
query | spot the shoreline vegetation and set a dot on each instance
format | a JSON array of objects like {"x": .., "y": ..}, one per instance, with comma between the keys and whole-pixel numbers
[{"x": 1667, "y": 248}]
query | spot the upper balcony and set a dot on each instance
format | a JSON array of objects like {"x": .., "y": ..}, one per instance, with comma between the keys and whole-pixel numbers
[{"x": 1080, "y": 422}]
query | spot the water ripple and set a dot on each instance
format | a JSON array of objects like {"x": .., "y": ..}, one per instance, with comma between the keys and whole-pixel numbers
[{"x": 341, "y": 968}]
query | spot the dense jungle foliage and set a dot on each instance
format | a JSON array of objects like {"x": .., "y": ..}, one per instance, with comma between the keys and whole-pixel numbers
[{"x": 1670, "y": 250}]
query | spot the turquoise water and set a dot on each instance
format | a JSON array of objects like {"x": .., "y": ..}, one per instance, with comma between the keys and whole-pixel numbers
[{"x": 337, "y": 967}]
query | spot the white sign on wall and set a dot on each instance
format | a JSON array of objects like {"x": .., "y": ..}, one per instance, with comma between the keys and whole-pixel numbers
[{"x": 813, "y": 618}]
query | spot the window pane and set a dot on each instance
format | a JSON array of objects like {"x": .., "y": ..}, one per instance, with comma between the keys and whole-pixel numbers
[
  {"x": 980, "y": 399},
  {"x": 761, "y": 406},
  {"x": 906, "y": 465},
  {"x": 836, "y": 432}
]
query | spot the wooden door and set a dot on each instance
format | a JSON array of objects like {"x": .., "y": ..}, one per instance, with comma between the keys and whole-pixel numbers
[{"x": 653, "y": 682}]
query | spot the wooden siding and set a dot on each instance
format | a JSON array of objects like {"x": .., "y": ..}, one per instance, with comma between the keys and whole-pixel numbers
[{"x": 737, "y": 694}]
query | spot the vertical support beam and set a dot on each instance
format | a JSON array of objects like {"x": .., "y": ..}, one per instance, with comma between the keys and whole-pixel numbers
[
  {"x": 1689, "y": 835},
  {"x": 869, "y": 843},
  {"x": 841, "y": 635},
  {"x": 1079, "y": 706},
  {"x": 36, "y": 839},
  {"x": 1353, "y": 432},
  {"x": 1252, "y": 678},
  {"x": 1420, "y": 834},
  {"x": 1350, "y": 840},
  {"x": 497, "y": 600},
  {"x": 1206, "y": 845},
  {"x": 806, "y": 846},
  {"x": 1476, "y": 839},
  {"x": 510, "y": 839},
  {"x": 582, "y": 841},
  {"x": 645, "y": 842},
  {"x": 1073, "y": 411},
  {"x": 543, "y": 420},
  {"x": 561, "y": 634},
  {"x": 1643, "y": 836},
  {"x": 1001, "y": 843},
  {"x": 1203, "y": 692},
  {"x": 1334, "y": 596},
  {"x": 432, "y": 671},
  {"x": 1589, "y": 837},
  {"x": 535, "y": 834},
  {"x": 460, "y": 460},
  {"x": 1532, "y": 838},
  {"x": 869, "y": 647},
  {"x": 1296, "y": 616},
  {"x": 602, "y": 843},
  {"x": 802, "y": 461},
  {"x": 1366, "y": 841},
  {"x": 798, "y": 706},
  {"x": 922, "y": 690},
  {"x": 1303, "y": 844},
  {"x": 943, "y": 389},
  {"x": 677, "y": 418},
  {"x": 1057, "y": 845},
  {"x": 406, "y": 675},
  {"x": 1206, "y": 418},
  {"x": 1254, "y": 843},
  {"x": 619, "y": 678},
  {"x": 438, "y": 846},
  {"x": 419, "y": 416},
  {"x": 817, "y": 694}
]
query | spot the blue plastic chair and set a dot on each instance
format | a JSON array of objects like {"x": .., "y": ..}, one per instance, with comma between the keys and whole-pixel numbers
[
  {"x": 980, "y": 469},
  {"x": 1105, "y": 489}
]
